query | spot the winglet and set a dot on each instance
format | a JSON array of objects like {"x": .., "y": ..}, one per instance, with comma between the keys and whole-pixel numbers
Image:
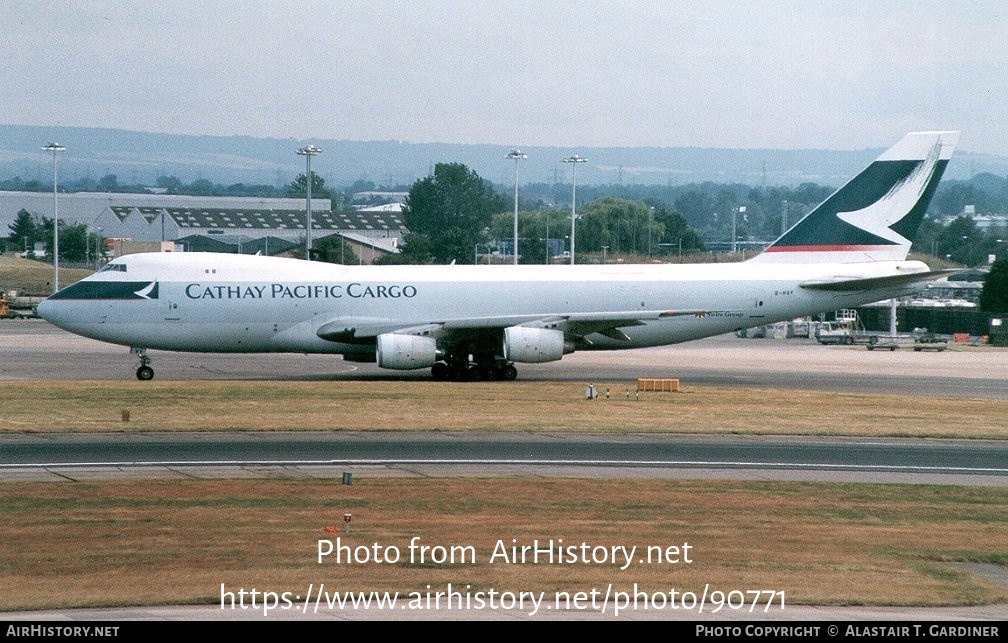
[{"x": 875, "y": 216}]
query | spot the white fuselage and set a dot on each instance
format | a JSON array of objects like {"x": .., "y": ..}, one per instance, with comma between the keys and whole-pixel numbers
[{"x": 209, "y": 302}]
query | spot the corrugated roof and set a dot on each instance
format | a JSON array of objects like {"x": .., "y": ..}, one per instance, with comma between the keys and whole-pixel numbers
[{"x": 236, "y": 219}]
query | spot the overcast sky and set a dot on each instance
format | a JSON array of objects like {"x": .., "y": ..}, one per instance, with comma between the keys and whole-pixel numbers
[{"x": 761, "y": 74}]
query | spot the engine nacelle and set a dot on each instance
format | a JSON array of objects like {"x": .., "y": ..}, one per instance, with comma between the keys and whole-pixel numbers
[
  {"x": 526, "y": 344},
  {"x": 405, "y": 352}
]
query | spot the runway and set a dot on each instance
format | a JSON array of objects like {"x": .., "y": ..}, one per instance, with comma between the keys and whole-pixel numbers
[
  {"x": 35, "y": 350},
  {"x": 330, "y": 455}
]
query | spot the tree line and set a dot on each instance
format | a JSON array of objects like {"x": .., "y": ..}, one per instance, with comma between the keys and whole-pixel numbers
[
  {"x": 76, "y": 243},
  {"x": 454, "y": 215}
]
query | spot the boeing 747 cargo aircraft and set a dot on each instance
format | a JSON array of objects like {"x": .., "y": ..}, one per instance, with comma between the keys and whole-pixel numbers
[{"x": 468, "y": 322}]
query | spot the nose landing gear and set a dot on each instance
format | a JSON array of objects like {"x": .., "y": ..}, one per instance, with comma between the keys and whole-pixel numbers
[{"x": 144, "y": 372}]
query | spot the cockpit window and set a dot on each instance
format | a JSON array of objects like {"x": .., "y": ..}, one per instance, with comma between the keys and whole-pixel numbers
[{"x": 118, "y": 267}]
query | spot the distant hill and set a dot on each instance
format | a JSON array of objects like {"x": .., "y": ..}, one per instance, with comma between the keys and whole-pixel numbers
[{"x": 141, "y": 157}]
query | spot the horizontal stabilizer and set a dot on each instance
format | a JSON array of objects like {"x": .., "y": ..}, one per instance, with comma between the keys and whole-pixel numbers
[{"x": 841, "y": 284}]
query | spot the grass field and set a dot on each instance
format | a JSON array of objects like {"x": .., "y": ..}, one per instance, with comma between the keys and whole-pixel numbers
[
  {"x": 82, "y": 406},
  {"x": 34, "y": 278},
  {"x": 144, "y": 542},
  {"x": 149, "y": 543}
]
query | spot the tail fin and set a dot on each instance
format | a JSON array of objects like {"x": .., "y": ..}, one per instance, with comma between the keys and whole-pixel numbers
[{"x": 875, "y": 216}]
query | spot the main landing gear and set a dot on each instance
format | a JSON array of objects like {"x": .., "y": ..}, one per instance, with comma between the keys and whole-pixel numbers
[
  {"x": 459, "y": 368},
  {"x": 144, "y": 372}
]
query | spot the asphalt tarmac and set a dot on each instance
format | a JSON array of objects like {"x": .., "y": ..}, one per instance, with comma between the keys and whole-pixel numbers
[{"x": 33, "y": 349}]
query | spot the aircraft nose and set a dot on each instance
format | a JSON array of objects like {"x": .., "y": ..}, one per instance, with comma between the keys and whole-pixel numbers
[
  {"x": 69, "y": 315},
  {"x": 47, "y": 310},
  {"x": 59, "y": 313}
]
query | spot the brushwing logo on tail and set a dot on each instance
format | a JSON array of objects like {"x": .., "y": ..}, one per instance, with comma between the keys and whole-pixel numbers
[
  {"x": 897, "y": 203},
  {"x": 877, "y": 213}
]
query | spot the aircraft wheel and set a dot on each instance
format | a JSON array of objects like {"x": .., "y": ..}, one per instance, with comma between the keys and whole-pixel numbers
[
  {"x": 439, "y": 372},
  {"x": 145, "y": 373},
  {"x": 509, "y": 373},
  {"x": 489, "y": 373}
]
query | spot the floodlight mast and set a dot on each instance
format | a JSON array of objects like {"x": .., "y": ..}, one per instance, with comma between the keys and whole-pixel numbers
[
  {"x": 573, "y": 160},
  {"x": 55, "y": 147},
  {"x": 308, "y": 151},
  {"x": 517, "y": 156}
]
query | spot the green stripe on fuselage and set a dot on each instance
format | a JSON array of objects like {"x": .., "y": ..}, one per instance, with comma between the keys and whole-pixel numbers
[{"x": 108, "y": 290}]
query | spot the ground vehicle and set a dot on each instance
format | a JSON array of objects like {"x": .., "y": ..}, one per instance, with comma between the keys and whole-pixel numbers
[
  {"x": 891, "y": 342},
  {"x": 844, "y": 329},
  {"x": 14, "y": 305},
  {"x": 835, "y": 333},
  {"x": 930, "y": 342}
]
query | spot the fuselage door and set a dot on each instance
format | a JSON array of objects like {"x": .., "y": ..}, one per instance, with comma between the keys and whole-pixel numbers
[{"x": 172, "y": 311}]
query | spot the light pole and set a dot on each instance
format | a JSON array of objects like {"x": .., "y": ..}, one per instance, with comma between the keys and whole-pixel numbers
[
  {"x": 547, "y": 240},
  {"x": 517, "y": 156},
  {"x": 308, "y": 151},
  {"x": 97, "y": 253},
  {"x": 650, "y": 222},
  {"x": 573, "y": 160},
  {"x": 55, "y": 147},
  {"x": 734, "y": 244}
]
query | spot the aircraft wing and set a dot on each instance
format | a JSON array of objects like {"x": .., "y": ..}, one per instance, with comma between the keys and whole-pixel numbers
[
  {"x": 855, "y": 284},
  {"x": 576, "y": 325},
  {"x": 365, "y": 329},
  {"x": 357, "y": 330}
]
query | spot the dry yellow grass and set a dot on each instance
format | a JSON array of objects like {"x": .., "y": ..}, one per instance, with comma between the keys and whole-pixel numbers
[
  {"x": 77, "y": 544},
  {"x": 81, "y": 406},
  {"x": 130, "y": 543},
  {"x": 34, "y": 278}
]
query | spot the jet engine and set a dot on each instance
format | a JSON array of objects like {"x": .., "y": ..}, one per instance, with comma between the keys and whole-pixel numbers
[
  {"x": 527, "y": 344},
  {"x": 406, "y": 352}
]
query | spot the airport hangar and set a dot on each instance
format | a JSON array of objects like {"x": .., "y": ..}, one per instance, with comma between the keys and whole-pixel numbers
[{"x": 135, "y": 222}]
